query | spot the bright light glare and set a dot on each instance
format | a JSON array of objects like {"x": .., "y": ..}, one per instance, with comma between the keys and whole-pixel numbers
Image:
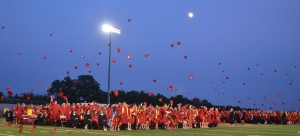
[
  {"x": 191, "y": 15},
  {"x": 109, "y": 28}
]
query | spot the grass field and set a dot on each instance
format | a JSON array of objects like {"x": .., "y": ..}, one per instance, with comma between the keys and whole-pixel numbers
[{"x": 223, "y": 130}]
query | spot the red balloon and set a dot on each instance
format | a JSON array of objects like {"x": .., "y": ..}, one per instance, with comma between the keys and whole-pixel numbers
[
  {"x": 239, "y": 101},
  {"x": 76, "y": 67},
  {"x": 130, "y": 65},
  {"x": 2, "y": 97},
  {"x": 87, "y": 64},
  {"x": 45, "y": 57},
  {"x": 114, "y": 61},
  {"x": 150, "y": 94},
  {"x": 178, "y": 43},
  {"x": 160, "y": 99},
  {"x": 185, "y": 57},
  {"x": 65, "y": 97},
  {"x": 121, "y": 83},
  {"x": 82, "y": 56},
  {"x": 191, "y": 77},
  {"x": 68, "y": 72}
]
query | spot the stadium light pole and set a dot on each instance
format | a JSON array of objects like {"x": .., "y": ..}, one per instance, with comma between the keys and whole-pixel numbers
[{"x": 109, "y": 29}]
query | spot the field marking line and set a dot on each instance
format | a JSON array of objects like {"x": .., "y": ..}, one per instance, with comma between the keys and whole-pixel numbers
[
  {"x": 255, "y": 132},
  {"x": 200, "y": 134},
  {"x": 6, "y": 134}
]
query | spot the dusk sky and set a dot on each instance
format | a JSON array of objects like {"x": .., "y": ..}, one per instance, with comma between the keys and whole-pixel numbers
[{"x": 238, "y": 52}]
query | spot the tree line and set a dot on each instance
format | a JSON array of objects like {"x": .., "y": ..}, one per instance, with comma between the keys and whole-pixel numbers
[{"x": 86, "y": 89}]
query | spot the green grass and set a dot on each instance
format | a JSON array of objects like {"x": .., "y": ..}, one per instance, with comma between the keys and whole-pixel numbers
[{"x": 223, "y": 130}]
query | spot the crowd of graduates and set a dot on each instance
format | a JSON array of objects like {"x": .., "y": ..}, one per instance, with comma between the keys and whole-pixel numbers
[{"x": 144, "y": 116}]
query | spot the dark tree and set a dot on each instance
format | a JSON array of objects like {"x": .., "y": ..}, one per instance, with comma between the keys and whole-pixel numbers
[{"x": 85, "y": 88}]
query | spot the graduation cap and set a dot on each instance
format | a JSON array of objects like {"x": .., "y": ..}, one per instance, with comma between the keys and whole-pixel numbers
[
  {"x": 154, "y": 80},
  {"x": 172, "y": 45},
  {"x": 28, "y": 97},
  {"x": 21, "y": 129},
  {"x": 146, "y": 54},
  {"x": 170, "y": 87},
  {"x": 150, "y": 94},
  {"x": 116, "y": 93},
  {"x": 61, "y": 94},
  {"x": 47, "y": 89},
  {"x": 128, "y": 57},
  {"x": 118, "y": 50}
]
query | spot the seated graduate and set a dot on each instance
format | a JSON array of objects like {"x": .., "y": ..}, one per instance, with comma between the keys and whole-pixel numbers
[
  {"x": 74, "y": 119},
  {"x": 8, "y": 116},
  {"x": 102, "y": 120},
  {"x": 88, "y": 120}
]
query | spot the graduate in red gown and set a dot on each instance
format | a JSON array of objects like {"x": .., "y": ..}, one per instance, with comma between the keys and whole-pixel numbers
[
  {"x": 18, "y": 113},
  {"x": 55, "y": 110}
]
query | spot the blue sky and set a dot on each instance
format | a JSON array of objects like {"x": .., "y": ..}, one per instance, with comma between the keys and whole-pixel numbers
[{"x": 238, "y": 34}]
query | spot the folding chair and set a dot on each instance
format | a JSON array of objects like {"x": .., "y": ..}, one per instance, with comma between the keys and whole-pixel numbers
[{"x": 63, "y": 119}]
